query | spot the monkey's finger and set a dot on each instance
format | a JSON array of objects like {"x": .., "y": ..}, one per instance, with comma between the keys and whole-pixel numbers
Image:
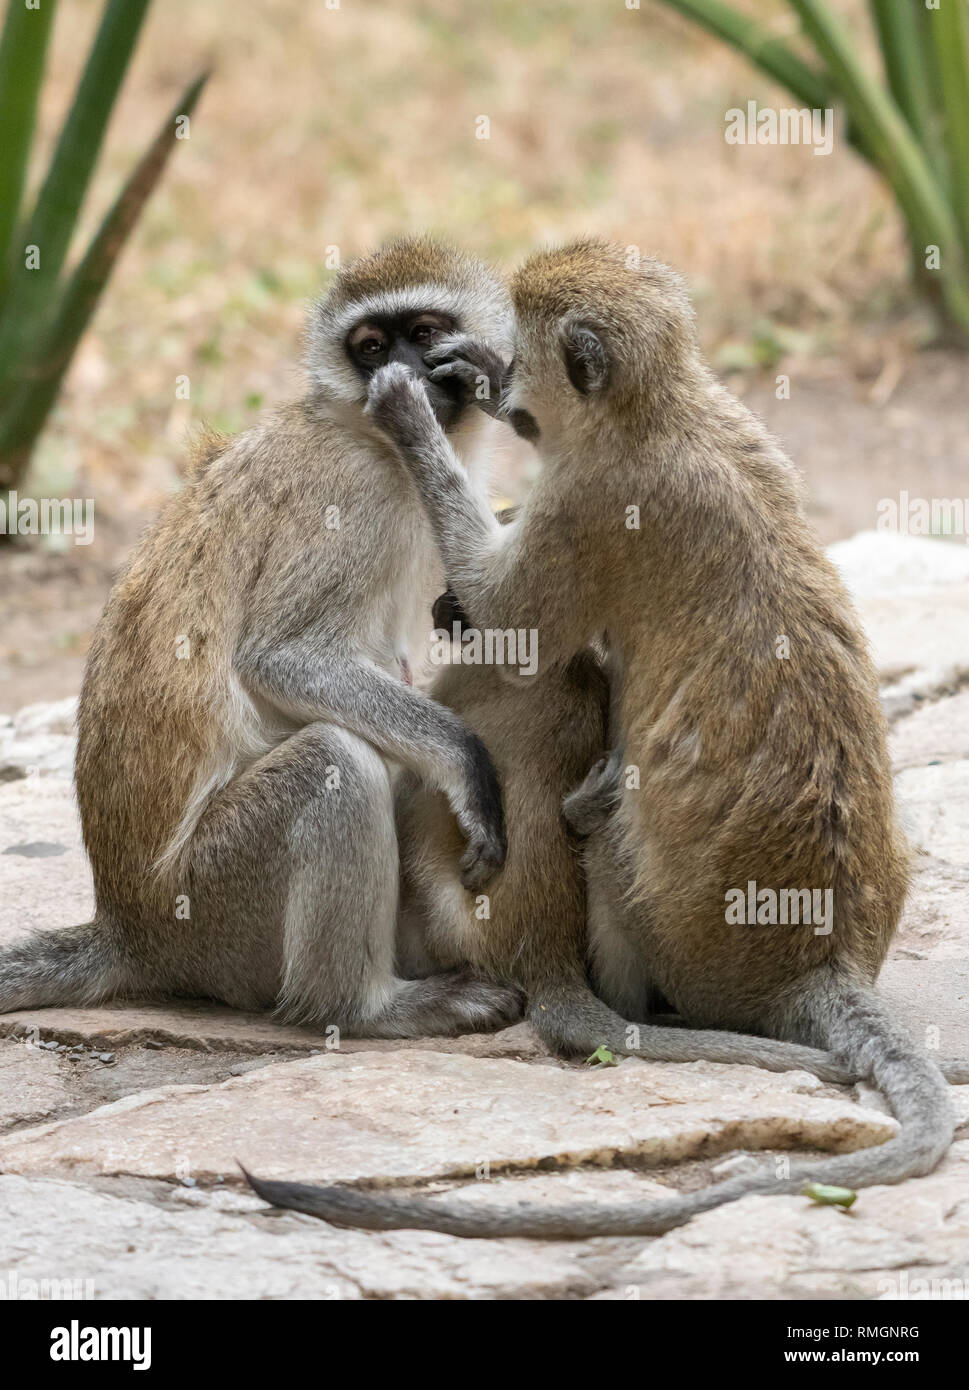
[
  {"x": 393, "y": 377},
  {"x": 397, "y": 402},
  {"x": 465, "y": 371},
  {"x": 457, "y": 345}
]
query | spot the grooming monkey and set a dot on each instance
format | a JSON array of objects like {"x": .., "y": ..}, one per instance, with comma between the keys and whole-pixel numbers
[
  {"x": 248, "y": 699},
  {"x": 745, "y": 700}
]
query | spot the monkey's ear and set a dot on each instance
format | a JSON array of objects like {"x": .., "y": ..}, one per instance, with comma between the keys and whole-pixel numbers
[{"x": 586, "y": 358}]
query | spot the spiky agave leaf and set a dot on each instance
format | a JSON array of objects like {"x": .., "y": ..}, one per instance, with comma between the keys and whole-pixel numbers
[{"x": 25, "y": 413}]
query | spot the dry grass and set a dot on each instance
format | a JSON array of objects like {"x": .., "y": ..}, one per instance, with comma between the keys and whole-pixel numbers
[{"x": 343, "y": 126}]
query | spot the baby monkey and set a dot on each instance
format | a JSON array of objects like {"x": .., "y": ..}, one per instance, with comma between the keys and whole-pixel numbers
[
  {"x": 750, "y": 756},
  {"x": 529, "y": 929}
]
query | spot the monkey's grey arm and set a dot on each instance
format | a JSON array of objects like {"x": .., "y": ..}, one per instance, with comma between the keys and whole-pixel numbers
[
  {"x": 481, "y": 557},
  {"x": 401, "y": 723}
]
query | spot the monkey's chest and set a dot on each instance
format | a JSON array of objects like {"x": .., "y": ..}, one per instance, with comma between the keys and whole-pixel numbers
[{"x": 414, "y": 577}]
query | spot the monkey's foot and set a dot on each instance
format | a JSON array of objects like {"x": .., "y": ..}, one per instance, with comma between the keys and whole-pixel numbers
[
  {"x": 593, "y": 801},
  {"x": 445, "y": 1005}
]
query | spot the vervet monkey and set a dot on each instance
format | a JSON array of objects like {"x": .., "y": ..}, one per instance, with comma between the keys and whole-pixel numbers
[
  {"x": 746, "y": 713},
  {"x": 248, "y": 698}
]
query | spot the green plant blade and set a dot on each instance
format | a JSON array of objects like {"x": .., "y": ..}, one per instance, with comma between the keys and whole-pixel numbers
[
  {"x": 894, "y": 150},
  {"x": 908, "y": 54},
  {"x": 54, "y": 217},
  {"x": 898, "y": 24},
  {"x": 811, "y": 86},
  {"x": 24, "y": 416},
  {"x": 757, "y": 43},
  {"x": 950, "y": 29},
  {"x": 23, "y": 47}
]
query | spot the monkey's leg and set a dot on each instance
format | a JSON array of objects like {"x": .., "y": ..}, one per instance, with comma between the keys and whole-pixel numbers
[
  {"x": 401, "y": 723},
  {"x": 293, "y": 879},
  {"x": 414, "y": 952}
]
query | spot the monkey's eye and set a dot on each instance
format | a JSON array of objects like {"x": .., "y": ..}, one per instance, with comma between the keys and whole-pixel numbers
[
  {"x": 367, "y": 342},
  {"x": 428, "y": 327},
  {"x": 424, "y": 333},
  {"x": 371, "y": 347}
]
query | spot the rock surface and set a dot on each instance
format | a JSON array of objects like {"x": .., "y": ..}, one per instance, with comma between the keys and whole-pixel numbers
[
  {"x": 913, "y": 596},
  {"x": 392, "y": 1118},
  {"x": 120, "y": 1127}
]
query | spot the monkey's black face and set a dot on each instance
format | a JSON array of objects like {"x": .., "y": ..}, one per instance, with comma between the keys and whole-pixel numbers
[{"x": 406, "y": 338}]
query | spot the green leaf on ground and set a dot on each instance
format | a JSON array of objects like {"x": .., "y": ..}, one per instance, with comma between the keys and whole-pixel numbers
[
  {"x": 829, "y": 1196},
  {"x": 602, "y": 1057}
]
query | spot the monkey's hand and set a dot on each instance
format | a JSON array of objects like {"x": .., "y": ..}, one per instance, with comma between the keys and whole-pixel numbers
[
  {"x": 475, "y": 367},
  {"x": 398, "y": 403}
]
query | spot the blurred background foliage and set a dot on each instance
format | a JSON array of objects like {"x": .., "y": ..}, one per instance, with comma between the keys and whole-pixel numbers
[
  {"x": 338, "y": 127},
  {"x": 43, "y": 312},
  {"x": 910, "y": 122}
]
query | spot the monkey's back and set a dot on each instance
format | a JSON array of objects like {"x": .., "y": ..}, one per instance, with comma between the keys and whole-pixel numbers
[{"x": 762, "y": 751}]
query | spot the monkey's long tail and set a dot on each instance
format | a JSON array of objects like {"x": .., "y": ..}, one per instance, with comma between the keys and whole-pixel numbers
[
  {"x": 575, "y": 1021},
  {"x": 850, "y": 1018},
  {"x": 76, "y": 965}
]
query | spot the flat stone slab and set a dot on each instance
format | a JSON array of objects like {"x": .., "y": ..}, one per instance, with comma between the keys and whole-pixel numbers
[
  {"x": 212, "y": 1028},
  {"x": 883, "y": 564},
  {"x": 900, "y": 1242},
  {"x": 935, "y": 922},
  {"x": 912, "y": 594},
  {"x": 387, "y": 1117},
  {"x": 38, "y": 740},
  {"x": 32, "y": 1087},
  {"x": 934, "y": 803},
  {"x": 931, "y": 999},
  {"x": 905, "y": 1241},
  {"x": 228, "y": 1246},
  {"x": 938, "y": 732},
  {"x": 923, "y": 991},
  {"x": 920, "y": 644},
  {"x": 45, "y": 875}
]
